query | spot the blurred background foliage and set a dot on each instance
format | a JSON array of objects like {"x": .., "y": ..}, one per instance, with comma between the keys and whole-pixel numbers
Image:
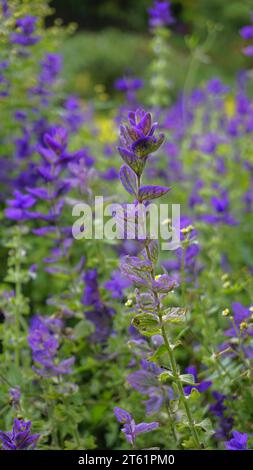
[{"x": 111, "y": 40}]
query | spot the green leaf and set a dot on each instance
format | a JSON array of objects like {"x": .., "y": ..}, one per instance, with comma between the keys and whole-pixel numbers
[
  {"x": 174, "y": 405},
  {"x": 187, "y": 379},
  {"x": 154, "y": 251},
  {"x": 174, "y": 315},
  {"x": 83, "y": 329},
  {"x": 166, "y": 376},
  {"x": 194, "y": 395},
  {"x": 207, "y": 426},
  {"x": 147, "y": 324},
  {"x": 189, "y": 444}
]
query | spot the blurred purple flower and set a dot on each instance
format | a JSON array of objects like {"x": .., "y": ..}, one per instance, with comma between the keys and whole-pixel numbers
[
  {"x": 247, "y": 32},
  {"x": 146, "y": 382},
  {"x": 20, "y": 438},
  {"x": 239, "y": 441},
  {"x": 15, "y": 395},
  {"x": 116, "y": 285},
  {"x": 99, "y": 315},
  {"x": 130, "y": 428},
  {"x": 221, "y": 210},
  {"x": 216, "y": 87},
  {"x": 17, "y": 209},
  {"x": 25, "y": 36},
  {"x": 200, "y": 386},
  {"x": 160, "y": 14},
  {"x": 219, "y": 409},
  {"x": 5, "y": 8},
  {"x": 72, "y": 114},
  {"x": 44, "y": 335},
  {"x": 241, "y": 314}
]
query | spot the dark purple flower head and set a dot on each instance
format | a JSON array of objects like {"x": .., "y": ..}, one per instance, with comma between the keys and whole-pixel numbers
[
  {"x": 130, "y": 428},
  {"x": 25, "y": 36},
  {"x": 20, "y": 438},
  {"x": 160, "y": 14},
  {"x": 239, "y": 441},
  {"x": 138, "y": 140},
  {"x": 56, "y": 140}
]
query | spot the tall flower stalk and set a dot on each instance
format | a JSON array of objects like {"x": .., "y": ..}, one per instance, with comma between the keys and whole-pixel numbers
[
  {"x": 160, "y": 17},
  {"x": 138, "y": 142},
  {"x": 17, "y": 276}
]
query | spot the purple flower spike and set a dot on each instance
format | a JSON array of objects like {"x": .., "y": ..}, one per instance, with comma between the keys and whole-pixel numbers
[
  {"x": 160, "y": 14},
  {"x": 25, "y": 36},
  {"x": 138, "y": 140},
  {"x": 44, "y": 342},
  {"x": 56, "y": 140},
  {"x": 20, "y": 437}
]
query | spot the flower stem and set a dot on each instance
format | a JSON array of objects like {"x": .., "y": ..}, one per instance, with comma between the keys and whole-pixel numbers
[
  {"x": 18, "y": 295},
  {"x": 170, "y": 352},
  {"x": 180, "y": 388},
  {"x": 174, "y": 366}
]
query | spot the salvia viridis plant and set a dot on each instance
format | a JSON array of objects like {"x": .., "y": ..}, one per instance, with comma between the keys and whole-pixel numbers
[{"x": 126, "y": 312}]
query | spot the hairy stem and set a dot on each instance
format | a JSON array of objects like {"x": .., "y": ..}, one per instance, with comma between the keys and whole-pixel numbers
[{"x": 170, "y": 352}]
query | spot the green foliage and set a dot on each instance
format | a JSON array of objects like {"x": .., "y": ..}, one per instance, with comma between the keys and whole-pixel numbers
[{"x": 102, "y": 58}]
